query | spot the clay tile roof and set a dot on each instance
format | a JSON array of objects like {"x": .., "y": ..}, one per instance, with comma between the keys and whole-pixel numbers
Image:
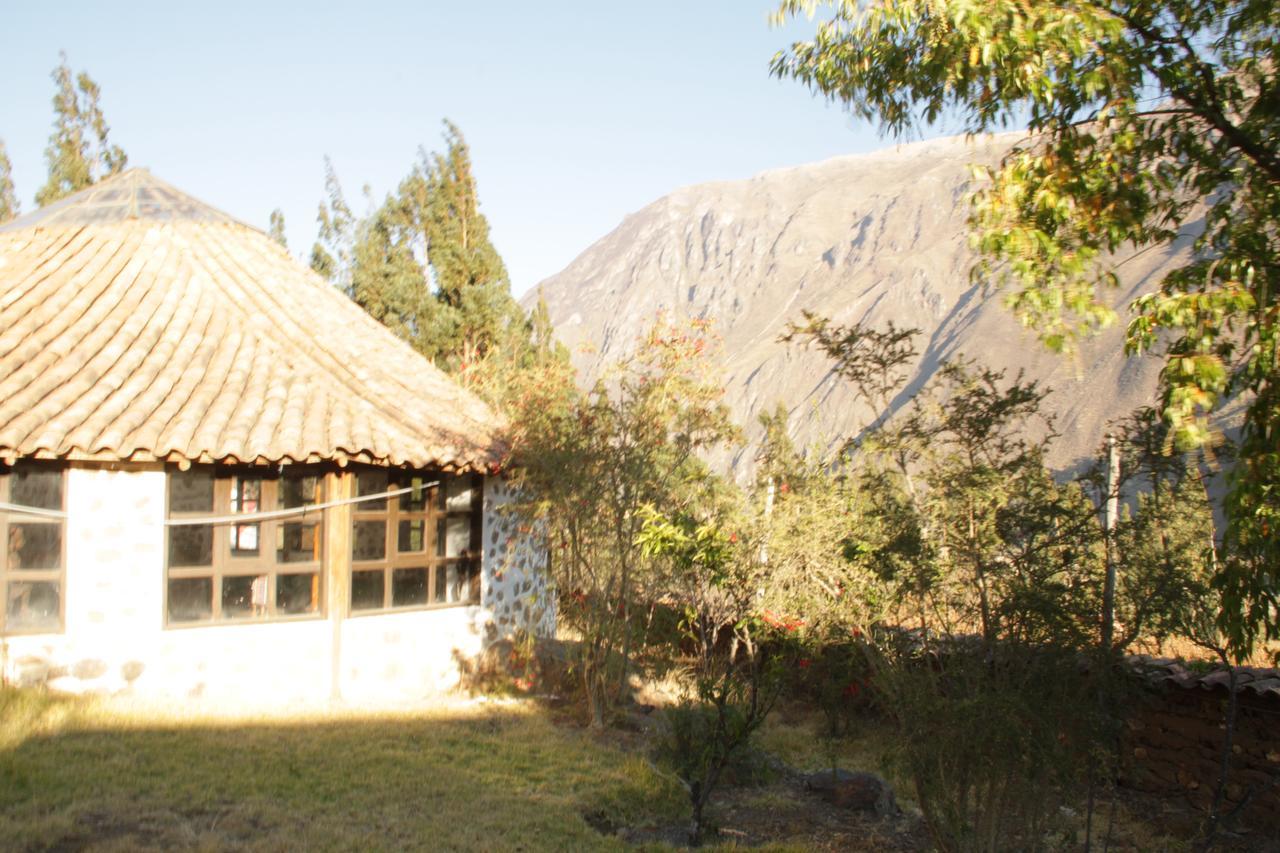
[
  {"x": 138, "y": 323},
  {"x": 1260, "y": 681}
]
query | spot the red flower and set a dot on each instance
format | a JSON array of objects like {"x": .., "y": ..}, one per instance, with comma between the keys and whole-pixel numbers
[
  {"x": 803, "y": 663},
  {"x": 851, "y": 689},
  {"x": 774, "y": 621}
]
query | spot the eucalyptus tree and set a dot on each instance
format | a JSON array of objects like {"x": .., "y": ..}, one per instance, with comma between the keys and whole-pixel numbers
[
  {"x": 79, "y": 153},
  {"x": 441, "y": 204},
  {"x": 332, "y": 251}
]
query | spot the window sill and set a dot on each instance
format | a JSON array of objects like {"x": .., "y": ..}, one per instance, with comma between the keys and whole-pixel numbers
[
  {"x": 417, "y": 608},
  {"x": 6, "y": 633},
  {"x": 242, "y": 623}
]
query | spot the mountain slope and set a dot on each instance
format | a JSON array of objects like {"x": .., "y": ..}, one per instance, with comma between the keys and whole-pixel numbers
[{"x": 866, "y": 238}]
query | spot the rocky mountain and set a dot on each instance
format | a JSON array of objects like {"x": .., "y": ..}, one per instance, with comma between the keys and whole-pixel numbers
[{"x": 863, "y": 238}]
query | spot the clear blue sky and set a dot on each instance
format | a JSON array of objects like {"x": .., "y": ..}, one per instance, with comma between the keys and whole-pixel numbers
[{"x": 577, "y": 113}]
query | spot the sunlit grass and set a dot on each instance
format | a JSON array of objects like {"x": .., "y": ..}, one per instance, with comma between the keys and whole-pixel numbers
[{"x": 462, "y": 776}]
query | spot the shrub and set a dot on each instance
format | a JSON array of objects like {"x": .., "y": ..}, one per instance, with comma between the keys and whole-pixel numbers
[{"x": 994, "y": 738}]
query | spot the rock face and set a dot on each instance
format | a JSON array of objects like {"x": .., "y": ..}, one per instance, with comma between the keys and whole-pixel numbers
[{"x": 867, "y": 238}]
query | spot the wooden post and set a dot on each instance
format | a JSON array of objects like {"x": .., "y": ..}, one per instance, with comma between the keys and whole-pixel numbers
[
  {"x": 337, "y": 553},
  {"x": 1111, "y": 512}
]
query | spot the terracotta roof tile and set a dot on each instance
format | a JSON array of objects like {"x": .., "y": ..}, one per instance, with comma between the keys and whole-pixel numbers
[
  {"x": 1261, "y": 681},
  {"x": 139, "y": 323}
]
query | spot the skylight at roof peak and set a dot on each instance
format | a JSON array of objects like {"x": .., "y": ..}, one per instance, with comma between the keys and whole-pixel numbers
[{"x": 134, "y": 194}]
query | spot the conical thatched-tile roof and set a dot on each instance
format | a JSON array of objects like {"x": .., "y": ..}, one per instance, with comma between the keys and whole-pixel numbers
[{"x": 137, "y": 323}]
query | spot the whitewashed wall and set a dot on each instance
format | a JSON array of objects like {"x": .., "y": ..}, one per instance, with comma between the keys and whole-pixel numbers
[{"x": 115, "y": 639}]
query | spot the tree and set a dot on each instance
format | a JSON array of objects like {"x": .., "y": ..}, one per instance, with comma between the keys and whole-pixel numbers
[
  {"x": 79, "y": 154},
  {"x": 389, "y": 282},
  {"x": 1146, "y": 122},
  {"x": 423, "y": 264},
  {"x": 716, "y": 575},
  {"x": 276, "y": 228},
  {"x": 442, "y": 205},
  {"x": 590, "y": 462},
  {"x": 963, "y": 579},
  {"x": 331, "y": 253},
  {"x": 9, "y": 207},
  {"x": 500, "y": 375}
]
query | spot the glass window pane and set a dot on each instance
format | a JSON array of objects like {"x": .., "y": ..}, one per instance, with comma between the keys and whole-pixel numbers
[
  {"x": 190, "y": 599},
  {"x": 246, "y": 497},
  {"x": 371, "y": 483},
  {"x": 299, "y": 490},
  {"x": 460, "y": 493},
  {"x": 453, "y": 537},
  {"x": 191, "y": 491},
  {"x": 412, "y": 536},
  {"x": 246, "y": 494},
  {"x": 244, "y": 596},
  {"x": 35, "y": 545},
  {"x": 33, "y": 606},
  {"x": 440, "y": 593},
  {"x": 408, "y": 587},
  {"x": 469, "y": 581},
  {"x": 191, "y": 545},
  {"x": 415, "y": 501},
  {"x": 36, "y": 487},
  {"x": 244, "y": 540},
  {"x": 369, "y": 540},
  {"x": 367, "y": 590},
  {"x": 462, "y": 582},
  {"x": 297, "y": 542},
  {"x": 298, "y": 593}
]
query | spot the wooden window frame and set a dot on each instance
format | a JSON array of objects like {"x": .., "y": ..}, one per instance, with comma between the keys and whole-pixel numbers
[
  {"x": 430, "y": 558},
  {"x": 223, "y": 564},
  {"x": 8, "y": 574}
]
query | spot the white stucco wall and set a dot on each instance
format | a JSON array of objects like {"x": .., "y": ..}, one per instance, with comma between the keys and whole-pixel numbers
[{"x": 115, "y": 638}]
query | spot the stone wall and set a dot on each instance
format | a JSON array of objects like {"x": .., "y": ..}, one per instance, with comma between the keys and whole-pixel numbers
[
  {"x": 1174, "y": 748},
  {"x": 515, "y": 567},
  {"x": 115, "y": 638}
]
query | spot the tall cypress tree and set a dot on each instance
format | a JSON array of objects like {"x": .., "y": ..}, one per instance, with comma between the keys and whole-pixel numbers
[
  {"x": 9, "y": 207},
  {"x": 439, "y": 209},
  {"x": 469, "y": 274},
  {"x": 424, "y": 265},
  {"x": 390, "y": 283},
  {"x": 79, "y": 153}
]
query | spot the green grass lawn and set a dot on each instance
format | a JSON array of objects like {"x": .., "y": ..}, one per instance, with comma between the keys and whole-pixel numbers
[
  {"x": 77, "y": 773},
  {"x": 80, "y": 774}
]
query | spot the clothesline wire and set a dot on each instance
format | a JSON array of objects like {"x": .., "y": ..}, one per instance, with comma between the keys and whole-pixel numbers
[
  {"x": 237, "y": 518},
  {"x": 19, "y": 509}
]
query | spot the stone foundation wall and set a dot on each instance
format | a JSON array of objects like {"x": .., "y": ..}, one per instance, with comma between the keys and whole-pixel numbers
[
  {"x": 1174, "y": 748},
  {"x": 115, "y": 639}
]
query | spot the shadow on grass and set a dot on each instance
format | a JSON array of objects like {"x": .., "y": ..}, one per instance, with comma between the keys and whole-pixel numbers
[{"x": 75, "y": 774}]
